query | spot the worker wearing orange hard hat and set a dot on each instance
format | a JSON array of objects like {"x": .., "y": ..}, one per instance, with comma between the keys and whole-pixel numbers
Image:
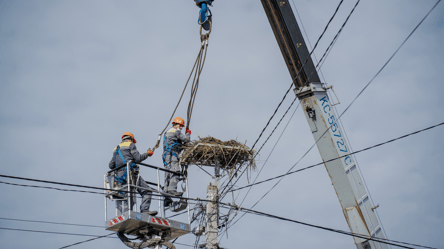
[
  {"x": 172, "y": 146},
  {"x": 125, "y": 152}
]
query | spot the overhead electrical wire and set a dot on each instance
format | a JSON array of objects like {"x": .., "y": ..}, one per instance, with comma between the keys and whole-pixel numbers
[
  {"x": 92, "y": 187},
  {"x": 292, "y": 83},
  {"x": 322, "y": 163},
  {"x": 340, "y": 121},
  {"x": 174, "y": 242},
  {"x": 289, "y": 171},
  {"x": 379, "y": 240},
  {"x": 328, "y": 49},
  {"x": 105, "y": 236},
  {"x": 45, "y": 187},
  {"x": 337, "y": 34},
  {"x": 286, "y": 93},
  {"x": 334, "y": 40},
  {"x": 273, "y": 146},
  {"x": 225, "y": 193},
  {"x": 68, "y": 184},
  {"x": 262, "y": 166},
  {"x": 272, "y": 132},
  {"x": 50, "y": 222},
  {"x": 49, "y": 232},
  {"x": 81, "y": 242},
  {"x": 365, "y": 87},
  {"x": 61, "y": 189},
  {"x": 309, "y": 56},
  {"x": 294, "y": 80},
  {"x": 319, "y": 68},
  {"x": 71, "y": 234},
  {"x": 225, "y": 204},
  {"x": 356, "y": 152}
]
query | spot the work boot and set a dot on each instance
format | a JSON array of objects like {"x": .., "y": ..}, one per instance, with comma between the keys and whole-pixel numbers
[
  {"x": 152, "y": 213},
  {"x": 167, "y": 201},
  {"x": 174, "y": 192}
]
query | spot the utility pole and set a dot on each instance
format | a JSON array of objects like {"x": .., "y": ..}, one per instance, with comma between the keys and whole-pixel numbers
[
  {"x": 322, "y": 121},
  {"x": 213, "y": 211}
]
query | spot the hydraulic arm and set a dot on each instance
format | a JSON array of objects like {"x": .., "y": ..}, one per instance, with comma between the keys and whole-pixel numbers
[{"x": 322, "y": 120}]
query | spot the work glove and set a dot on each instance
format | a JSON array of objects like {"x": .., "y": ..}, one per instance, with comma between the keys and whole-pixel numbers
[
  {"x": 150, "y": 152},
  {"x": 188, "y": 131}
]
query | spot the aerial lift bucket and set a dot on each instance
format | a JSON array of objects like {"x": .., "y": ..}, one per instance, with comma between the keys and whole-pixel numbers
[{"x": 150, "y": 230}]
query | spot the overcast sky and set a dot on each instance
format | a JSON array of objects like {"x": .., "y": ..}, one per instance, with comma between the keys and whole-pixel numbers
[{"x": 75, "y": 75}]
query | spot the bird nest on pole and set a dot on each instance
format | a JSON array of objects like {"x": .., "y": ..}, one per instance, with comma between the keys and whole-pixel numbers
[{"x": 230, "y": 155}]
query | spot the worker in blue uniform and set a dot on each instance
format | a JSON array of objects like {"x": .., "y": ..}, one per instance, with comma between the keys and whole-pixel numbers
[
  {"x": 172, "y": 146},
  {"x": 124, "y": 152},
  {"x": 205, "y": 16}
]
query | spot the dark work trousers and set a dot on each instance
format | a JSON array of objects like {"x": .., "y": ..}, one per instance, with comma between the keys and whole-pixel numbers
[
  {"x": 146, "y": 196},
  {"x": 171, "y": 179}
]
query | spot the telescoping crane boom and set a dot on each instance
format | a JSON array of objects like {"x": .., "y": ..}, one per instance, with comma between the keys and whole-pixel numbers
[{"x": 322, "y": 119}]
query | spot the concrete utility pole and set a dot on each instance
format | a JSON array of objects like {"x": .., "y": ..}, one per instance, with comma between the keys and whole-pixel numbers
[
  {"x": 213, "y": 212},
  {"x": 322, "y": 121}
]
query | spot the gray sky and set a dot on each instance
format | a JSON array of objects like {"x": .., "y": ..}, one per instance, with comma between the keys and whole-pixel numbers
[{"x": 75, "y": 75}]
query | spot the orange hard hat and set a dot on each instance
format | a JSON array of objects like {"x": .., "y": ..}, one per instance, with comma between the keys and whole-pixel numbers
[
  {"x": 179, "y": 120},
  {"x": 129, "y": 134}
]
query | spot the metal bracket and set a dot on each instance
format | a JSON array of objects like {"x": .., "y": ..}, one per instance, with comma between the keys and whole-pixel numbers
[
  {"x": 375, "y": 207},
  {"x": 307, "y": 91},
  {"x": 331, "y": 87}
]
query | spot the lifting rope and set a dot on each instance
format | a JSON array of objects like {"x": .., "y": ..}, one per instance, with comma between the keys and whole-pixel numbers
[{"x": 197, "y": 70}]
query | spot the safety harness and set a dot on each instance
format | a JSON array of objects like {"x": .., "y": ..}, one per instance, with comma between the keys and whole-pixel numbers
[
  {"x": 169, "y": 149},
  {"x": 121, "y": 179}
]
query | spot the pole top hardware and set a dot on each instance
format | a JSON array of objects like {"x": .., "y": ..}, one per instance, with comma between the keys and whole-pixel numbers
[{"x": 306, "y": 91}]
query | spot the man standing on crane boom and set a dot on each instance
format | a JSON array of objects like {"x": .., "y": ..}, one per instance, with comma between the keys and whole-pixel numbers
[
  {"x": 172, "y": 146},
  {"x": 124, "y": 152}
]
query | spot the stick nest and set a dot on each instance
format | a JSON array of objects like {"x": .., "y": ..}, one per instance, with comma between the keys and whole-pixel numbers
[{"x": 231, "y": 155}]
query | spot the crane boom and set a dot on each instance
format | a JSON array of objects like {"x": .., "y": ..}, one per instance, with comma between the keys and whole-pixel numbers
[
  {"x": 322, "y": 120},
  {"x": 291, "y": 42}
]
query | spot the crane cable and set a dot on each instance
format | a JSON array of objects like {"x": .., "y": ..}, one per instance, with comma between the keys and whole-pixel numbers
[{"x": 197, "y": 70}]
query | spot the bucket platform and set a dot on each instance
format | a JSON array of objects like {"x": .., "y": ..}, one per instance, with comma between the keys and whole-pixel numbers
[{"x": 131, "y": 223}]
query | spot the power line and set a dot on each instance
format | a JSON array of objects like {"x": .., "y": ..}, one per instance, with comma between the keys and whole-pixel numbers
[
  {"x": 45, "y": 187},
  {"x": 114, "y": 233},
  {"x": 356, "y": 152},
  {"x": 286, "y": 93},
  {"x": 225, "y": 193},
  {"x": 60, "y": 189},
  {"x": 100, "y": 237},
  {"x": 320, "y": 37},
  {"x": 391, "y": 57},
  {"x": 288, "y": 172},
  {"x": 333, "y": 41},
  {"x": 104, "y": 236},
  {"x": 50, "y": 222},
  {"x": 319, "y": 66},
  {"x": 274, "y": 144},
  {"x": 88, "y": 235},
  {"x": 38, "y": 231},
  {"x": 272, "y": 132},
  {"x": 72, "y": 234},
  {"x": 72, "y": 185},
  {"x": 380, "y": 240},
  {"x": 92, "y": 187},
  {"x": 337, "y": 34},
  {"x": 330, "y": 46},
  {"x": 264, "y": 163}
]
